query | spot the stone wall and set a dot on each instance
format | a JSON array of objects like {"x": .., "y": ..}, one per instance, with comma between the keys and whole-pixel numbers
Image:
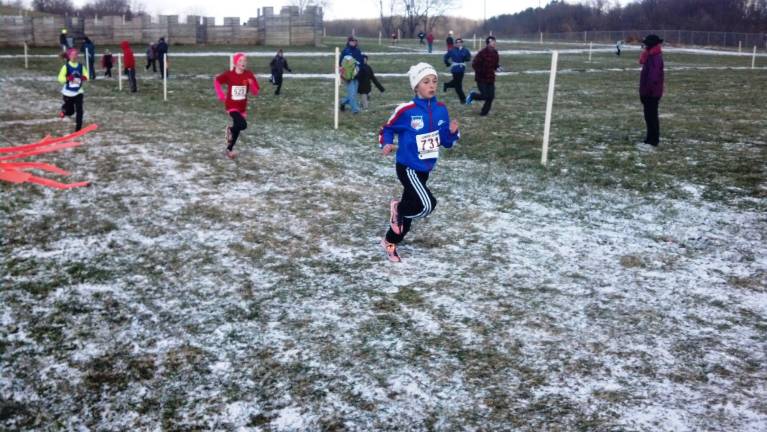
[{"x": 288, "y": 28}]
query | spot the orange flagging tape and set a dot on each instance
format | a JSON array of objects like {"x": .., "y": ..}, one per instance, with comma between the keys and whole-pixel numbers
[{"x": 15, "y": 172}]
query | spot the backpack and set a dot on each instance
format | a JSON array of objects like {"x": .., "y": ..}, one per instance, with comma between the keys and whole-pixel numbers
[{"x": 349, "y": 68}]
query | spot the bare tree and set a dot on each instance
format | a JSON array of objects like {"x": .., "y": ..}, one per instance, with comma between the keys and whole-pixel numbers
[
  {"x": 389, "y": 15},
  {"x": 425, "y": 13},
  {"x": 60, "y": 7},
  {"x": 302, "y": 4},
  {"x": 107, "y": 7}
]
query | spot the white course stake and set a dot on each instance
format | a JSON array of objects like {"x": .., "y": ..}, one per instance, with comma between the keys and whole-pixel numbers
[
  {"x": 591, "y": 47},
  {"x": 541, "y": 38},
  {"x": 475, "y": 42},
  {"x": 165, "y": 77},
  {"x": 753, "y": 59},
  {"x": 740, "y": 46},
  {"x": 379, "y": 37},
  {"x": 231, "y": 62},
  {"x": 120, "y": 72},
  {"x": 549, "y": 107},
  {"x": 337, "y": 84},
  {"x": 26, "y": 58}
]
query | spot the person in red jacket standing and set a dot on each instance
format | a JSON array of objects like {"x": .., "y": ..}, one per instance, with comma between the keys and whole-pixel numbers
[
  {"x": 129, "y": 65},
  {"x": 485, "y": 64},
  {"x": 651, "y": 86},
  {"x": 238, "y": 80}
]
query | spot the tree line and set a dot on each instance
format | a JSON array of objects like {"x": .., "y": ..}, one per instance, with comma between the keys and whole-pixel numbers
[
  {"x": 704, "y": 15},
  {"x": 93, "y": 8}
]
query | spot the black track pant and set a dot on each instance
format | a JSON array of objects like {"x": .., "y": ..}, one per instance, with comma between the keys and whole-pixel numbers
[
  {"x": 416, "y": 202},
  {"x": 74, "y": 105},
  {"x": 132, "y": 79},
  {"x": 457, "y": 84},
  {"x": 651, "y": 119},
  {"x": 278, "y": 83},
  {"x": 238, "y": 124},
  {"x": 487, "y": 94}
]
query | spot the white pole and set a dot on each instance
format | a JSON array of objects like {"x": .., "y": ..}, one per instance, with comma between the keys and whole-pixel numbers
[
  {"x": 337, "y": 84},
  {"x": 354, "y": 31},
  {"x": 753, "y": 59},
  {"x": 740, "y": 46},
  {"x": 541, "y": 38},
  {"x": 379, "y": 37},
  {"x": 591, "y": 46},
  {"x": 324, "y": 32},
  {"x": 26, "y": 58},
  {"x": 165, "y": 77},
  {"x": 549, "y": 107},
  {"x": 585, "y": 37},
  {"x": 399, "y": 34},
  {"x": 475, "y": 41},
  {"x": 231, "y": 62},
  {"x": 120, "y": 72}
]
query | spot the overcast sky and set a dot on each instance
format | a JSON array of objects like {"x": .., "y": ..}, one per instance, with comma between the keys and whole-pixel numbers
[{"x": 338, "y": 8}]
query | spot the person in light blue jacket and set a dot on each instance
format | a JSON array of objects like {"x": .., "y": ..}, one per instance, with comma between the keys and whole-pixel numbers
[
  {"x": 421, "y": 126},
  {"x": 456, "y": 59}
]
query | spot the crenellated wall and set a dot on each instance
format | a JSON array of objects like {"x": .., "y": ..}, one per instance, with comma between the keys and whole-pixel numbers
[{"x": 288, "y": 28}]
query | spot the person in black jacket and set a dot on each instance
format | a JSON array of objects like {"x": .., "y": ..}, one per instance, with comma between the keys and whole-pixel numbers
[
  {"x": 278, "y": 65},
  {"x": 162, "y": 50},
  {"x": 365, "y": 77}
]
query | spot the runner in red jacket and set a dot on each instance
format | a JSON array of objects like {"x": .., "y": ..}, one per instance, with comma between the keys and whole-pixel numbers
[{"x": 238, "y": 80}]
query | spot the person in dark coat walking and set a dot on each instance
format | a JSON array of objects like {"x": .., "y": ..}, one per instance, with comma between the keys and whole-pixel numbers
[
  {"x": 89, "y": 49},
  {"x": 456, "y": 60},
  {"x": 107, "y": 63},
  {"x": 366, "y": 76},
  {"x": 162, "y": 50},
  {"x": 485, "y": 64},
  {"x": 278, "y": 66},
  {"x": 151, "y": 58},
  {"x": 651, "y": 86}
]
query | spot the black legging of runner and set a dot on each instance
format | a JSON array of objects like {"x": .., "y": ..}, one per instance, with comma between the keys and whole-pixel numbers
[{"x": 238, "y": 124}]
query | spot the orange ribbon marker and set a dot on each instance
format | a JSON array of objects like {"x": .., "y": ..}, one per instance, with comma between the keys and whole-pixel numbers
[{"x": 16, "y": 172}]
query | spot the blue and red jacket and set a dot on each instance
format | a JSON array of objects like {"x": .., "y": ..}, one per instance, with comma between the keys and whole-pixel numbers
[{"x": 418, "y": 117}]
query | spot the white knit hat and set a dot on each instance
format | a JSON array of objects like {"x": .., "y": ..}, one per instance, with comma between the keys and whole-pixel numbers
[{"x": 417, "y": 72}]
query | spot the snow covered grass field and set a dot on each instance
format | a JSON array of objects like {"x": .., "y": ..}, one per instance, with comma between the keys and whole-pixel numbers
[{"x": 616, "y": 289}]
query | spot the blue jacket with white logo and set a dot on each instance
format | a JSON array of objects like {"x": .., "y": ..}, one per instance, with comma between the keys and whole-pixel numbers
[
  {"x": 457, "y": 58},
  {"x": 352, "y": 51},
  {"x": 413, "y": 120}
]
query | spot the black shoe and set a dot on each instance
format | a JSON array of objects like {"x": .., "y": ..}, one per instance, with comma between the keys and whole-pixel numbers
[{"x": 343, "y": 107}]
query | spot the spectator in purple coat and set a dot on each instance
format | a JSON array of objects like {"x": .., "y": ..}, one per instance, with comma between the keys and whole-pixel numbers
[{"x": 651, "y": 86}]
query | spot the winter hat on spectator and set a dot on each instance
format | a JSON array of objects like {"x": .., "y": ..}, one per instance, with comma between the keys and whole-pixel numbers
[
  {"x": 418, "y": 72},
  {"x": 237, "y": 56},
  {"x": 652, "y": 40}
]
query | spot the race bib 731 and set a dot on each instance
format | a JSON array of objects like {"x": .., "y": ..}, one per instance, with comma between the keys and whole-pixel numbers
[{"x": 428, "y": 145}]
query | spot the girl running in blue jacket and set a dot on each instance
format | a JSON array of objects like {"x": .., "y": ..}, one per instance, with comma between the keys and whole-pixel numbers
[{"x": 421, "y": 126}]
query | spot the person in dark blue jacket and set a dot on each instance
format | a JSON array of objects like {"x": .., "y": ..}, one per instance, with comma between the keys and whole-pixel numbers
[
  {"x": 422, "y": 126},
  {"x": 351, "y": 50},
  {"x": 89, "y": 49},
  {"x": 456, "y": 59}
]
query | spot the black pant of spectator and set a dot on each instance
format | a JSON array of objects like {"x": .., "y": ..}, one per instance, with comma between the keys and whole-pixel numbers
[
  {"x": 651, "y": 119},
  {"x": 132, "y": 79}
]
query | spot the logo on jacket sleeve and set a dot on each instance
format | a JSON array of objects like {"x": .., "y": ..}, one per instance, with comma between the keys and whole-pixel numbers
[{"x": 416, "y": 122}]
